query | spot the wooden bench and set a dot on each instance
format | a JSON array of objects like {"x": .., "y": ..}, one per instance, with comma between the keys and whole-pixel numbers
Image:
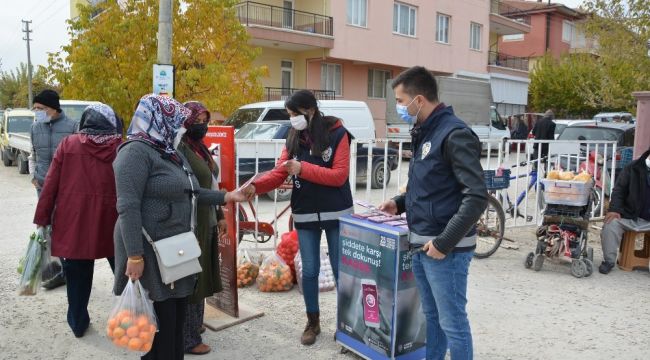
[{"x": 630, "y": 258}]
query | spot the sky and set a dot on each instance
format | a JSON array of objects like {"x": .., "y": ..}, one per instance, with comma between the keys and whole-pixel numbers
[{"x": 50, "y": 29}]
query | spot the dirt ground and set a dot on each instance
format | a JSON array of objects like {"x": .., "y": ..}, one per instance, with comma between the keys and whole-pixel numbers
[{"x": 515, "y": 313}]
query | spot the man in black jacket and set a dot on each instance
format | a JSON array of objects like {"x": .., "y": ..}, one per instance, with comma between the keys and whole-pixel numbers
[
  {"x": 444, "y": 199},
  {"x": 544, "y": 129},
  {"x": 629, "y": 209}
]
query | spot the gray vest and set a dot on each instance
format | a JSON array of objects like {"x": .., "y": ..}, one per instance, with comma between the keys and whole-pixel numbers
[{"x": 45, "y": 139}]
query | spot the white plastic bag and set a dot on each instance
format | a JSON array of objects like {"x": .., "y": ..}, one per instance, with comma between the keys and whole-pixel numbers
[
  {"x": 326, "y": 280},
  {"x": 132, "y": 323}
]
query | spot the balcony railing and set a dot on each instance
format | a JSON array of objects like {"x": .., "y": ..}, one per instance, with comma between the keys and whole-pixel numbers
[
  {"x": 276, "y": 93},
  {"x": 252, "y": 13},
  {"x": 510, "y": 12},
  {"x": 502, "y": 60}
]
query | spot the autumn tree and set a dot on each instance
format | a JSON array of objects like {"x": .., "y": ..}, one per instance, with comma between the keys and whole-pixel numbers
[{"x": 113, "y": 48}]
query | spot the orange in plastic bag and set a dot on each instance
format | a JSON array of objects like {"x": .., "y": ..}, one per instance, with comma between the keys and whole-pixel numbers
[
  {"x": 247, "y": 270},
  {"x": 275, "y": 275},
  {"x": 132, "y": 324}
]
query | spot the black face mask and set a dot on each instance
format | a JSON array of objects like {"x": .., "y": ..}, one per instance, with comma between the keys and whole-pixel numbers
[{"x": 197, "y": 131}]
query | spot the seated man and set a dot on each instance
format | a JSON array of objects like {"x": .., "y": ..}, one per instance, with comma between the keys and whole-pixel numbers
[{"x": 629, "y": 208}]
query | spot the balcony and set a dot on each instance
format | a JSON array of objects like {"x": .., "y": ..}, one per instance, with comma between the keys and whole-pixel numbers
[
  {"x": 285, "y": 28},
  {"x": 508, "y": 20},
  {"x": 276, "y": 93},
  {"x": 501, "y": 60}
]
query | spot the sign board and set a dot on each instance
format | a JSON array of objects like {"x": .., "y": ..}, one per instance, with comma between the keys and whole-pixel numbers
[
  {"x": 163, "y": 79},
  {"x": 221, "y": 141}
]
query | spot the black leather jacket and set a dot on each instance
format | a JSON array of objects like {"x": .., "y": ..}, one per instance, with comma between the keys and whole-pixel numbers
[
  {"x": 629, "y": 195},
  {"x": 462, "y": 150}
]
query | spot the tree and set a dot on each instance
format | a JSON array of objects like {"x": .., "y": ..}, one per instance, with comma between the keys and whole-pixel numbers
[
  {"x": 14, "y": 87},
  {"x": 570, "y": 85},
  {"x": 113, "y": 48},
  {"x": 622, "y": 29}
]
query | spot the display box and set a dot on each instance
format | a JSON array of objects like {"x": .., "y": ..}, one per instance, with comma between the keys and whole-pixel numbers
[
  {"x": 564, "y": 192},
  {"x": 379, "y": 311}
]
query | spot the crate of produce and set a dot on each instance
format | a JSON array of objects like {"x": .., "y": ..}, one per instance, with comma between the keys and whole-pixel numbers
[
  {"x": 565, "y": 192},
  {"x": 626, "y": 157},
  {"x": 497, "y": 179}
]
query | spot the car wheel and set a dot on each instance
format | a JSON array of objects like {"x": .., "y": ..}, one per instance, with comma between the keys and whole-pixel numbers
[
  {"x": 6, "y": 160},
  {"x": 23, "y": 166},
  {"x": 377, "y": 175}
]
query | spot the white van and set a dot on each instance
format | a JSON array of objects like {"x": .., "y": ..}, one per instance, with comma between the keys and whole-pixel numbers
[
  {"x": 74, "y": 108},
  {"x": 356, "y": 115}
]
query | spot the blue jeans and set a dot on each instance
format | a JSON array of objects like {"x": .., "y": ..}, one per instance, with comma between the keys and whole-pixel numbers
[
  {"x": 443, "y": 291},
  {"x": 310, "y": 253}
]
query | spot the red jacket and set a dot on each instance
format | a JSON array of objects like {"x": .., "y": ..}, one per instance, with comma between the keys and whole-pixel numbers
[
  {"x": 80, "y": 186},
  {"x": 335, "y": 176}
]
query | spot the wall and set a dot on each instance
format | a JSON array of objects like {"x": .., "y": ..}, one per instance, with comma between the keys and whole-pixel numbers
[
  {"x": 403, "y": 51},
  {"x": 533, "y": 44}
]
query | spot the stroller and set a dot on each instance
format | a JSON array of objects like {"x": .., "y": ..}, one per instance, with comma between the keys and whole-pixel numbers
[{"x": 563, "y": 235}]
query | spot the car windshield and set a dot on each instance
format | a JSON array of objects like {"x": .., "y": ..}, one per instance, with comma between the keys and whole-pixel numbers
[
  {"x": 559, "y": 128},
  {"x": 19, "y": 124},
  {"x": 591, "y": 133},
  {"x": 258, "y": 131},
  {"x": 73, "y": 112},
  {"x": 243, "y": 116}
]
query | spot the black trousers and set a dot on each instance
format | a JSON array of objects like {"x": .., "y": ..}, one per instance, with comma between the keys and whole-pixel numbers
[
  {"x": 79, "y": 277},
  {"x": 168, "y": 342}
]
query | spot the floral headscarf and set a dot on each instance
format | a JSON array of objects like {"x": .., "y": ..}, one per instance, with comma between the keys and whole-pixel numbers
[
  {"x": 157, "y": 120},
  {"x": 197, "y": 109},
  {"x": 100, "y": 123}
]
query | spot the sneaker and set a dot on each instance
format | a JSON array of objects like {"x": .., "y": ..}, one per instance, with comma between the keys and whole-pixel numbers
[
  {"x": 605, "y": 267},
  {"x": 55, "y": 282}
]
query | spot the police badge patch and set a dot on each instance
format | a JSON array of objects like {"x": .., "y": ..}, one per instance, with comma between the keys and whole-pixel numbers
[
  {"x": 426, "y": 147},
  {"x": 327, "y": 154}
]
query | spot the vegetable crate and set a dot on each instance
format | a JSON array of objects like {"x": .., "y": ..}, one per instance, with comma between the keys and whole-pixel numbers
[{"x": 565, "y": 192}]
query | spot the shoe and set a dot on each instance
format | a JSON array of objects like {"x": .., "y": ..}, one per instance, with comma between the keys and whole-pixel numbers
[
  {"x": 55, "y": 282},
  {"x": 311, "y": 330},
  {"x": 605, "y": 267},
  {"x": 200, "y": 349}
]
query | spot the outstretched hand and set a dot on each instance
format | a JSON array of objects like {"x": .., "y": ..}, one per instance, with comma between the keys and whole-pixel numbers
[
  {"x": 389, "y": 206},
  {"x": 236, "y": 196}
]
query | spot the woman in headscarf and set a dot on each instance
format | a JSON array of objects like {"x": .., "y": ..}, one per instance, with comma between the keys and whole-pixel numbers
[
  {"x": 210, "y": 222},
  {"x": 153, "y": 192},
  {"x": 80, "y": 185}
]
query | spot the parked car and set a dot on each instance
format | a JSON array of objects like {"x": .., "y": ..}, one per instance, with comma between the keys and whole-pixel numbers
[
  {"x": 275, "y": 130},
  {"x": 15, "y": 141},
  {"x": 622, "y": 133},
  {"x": 614, "y": 117}
]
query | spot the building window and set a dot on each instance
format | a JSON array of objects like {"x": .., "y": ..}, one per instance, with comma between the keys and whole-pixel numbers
[
  {"x": 404, "y": 19},
  {"x": 331, "y": 78},
  {"x": 358, "y": 12},
  {"x": 568, "y": 28},
  {"x": 377, "y": 83},
  {"x": 475, "y": 31},
  {"x": 515, "y": 37},
  {"x": 442, "y": 28}
]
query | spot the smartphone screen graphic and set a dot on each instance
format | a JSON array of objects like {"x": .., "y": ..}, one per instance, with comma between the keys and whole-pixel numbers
[{"x": 370, "y": 300}]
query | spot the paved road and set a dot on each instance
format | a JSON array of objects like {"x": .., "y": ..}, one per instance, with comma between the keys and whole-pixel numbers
[{"x": 515, "y": 313}]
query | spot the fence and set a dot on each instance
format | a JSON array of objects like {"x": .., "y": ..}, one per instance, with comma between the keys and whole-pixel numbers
[
  {"x": 277, "y": 93},
  {"x": 252, "y": 13},
  {"x": 385, "y": 175}
]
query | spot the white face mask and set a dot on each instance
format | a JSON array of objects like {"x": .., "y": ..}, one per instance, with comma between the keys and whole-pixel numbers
[
  {"x": 647, "y": 162},
  {"x": 179, "y": 135},
  {"x": 41, "y": 116},
  {"x": 298, "y": 122}
]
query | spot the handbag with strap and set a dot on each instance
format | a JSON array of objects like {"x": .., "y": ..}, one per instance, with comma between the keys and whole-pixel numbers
[{"x": 178, "y": 255}]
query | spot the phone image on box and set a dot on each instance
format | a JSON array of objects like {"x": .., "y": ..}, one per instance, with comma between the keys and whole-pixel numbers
[{"x": 370, "y": 298}]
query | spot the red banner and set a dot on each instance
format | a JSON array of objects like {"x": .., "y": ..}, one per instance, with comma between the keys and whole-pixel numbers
[{"x": 221, "y": 142}]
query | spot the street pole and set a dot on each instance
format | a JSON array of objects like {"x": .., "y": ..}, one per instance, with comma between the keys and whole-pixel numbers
[
  {"x": 165, "y": 32},
  {"x": 27, "y": 31}
]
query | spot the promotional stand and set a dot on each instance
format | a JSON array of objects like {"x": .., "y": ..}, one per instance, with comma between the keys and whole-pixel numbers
[
  {"x": 225, "y": 310},
  {"x": 379, "y": 311}
]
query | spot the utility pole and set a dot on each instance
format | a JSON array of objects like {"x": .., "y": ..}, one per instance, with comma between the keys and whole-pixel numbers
[
  {"x": 165, "y": 32},
  {"x": 27, "y": 31}
]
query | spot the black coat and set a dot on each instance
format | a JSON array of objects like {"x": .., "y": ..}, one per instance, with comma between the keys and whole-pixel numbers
[
  {"x": 544, "y": 130},
  {"x": 628, "y": 197}
]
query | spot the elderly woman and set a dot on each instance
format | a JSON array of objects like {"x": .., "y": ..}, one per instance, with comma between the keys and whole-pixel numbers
[
  {"x": 153, "y": 192},
  {"x": 81, "y": 187},
  {"x": 208, "y": 219}
]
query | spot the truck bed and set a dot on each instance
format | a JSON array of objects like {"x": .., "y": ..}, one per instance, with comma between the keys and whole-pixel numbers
[{"x": 20, "y": 141}]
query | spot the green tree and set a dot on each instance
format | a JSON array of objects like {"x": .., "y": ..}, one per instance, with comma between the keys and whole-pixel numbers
[
  {"x": 110, "y": 56},
  {"x": 14, "y": 89},
  {"x": 570, "y": 86}
]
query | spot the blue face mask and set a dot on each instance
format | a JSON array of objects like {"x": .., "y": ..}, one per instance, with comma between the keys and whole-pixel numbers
[
  {"x": 403, "y": 112},
  {"x": 41, "y": 116}
]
